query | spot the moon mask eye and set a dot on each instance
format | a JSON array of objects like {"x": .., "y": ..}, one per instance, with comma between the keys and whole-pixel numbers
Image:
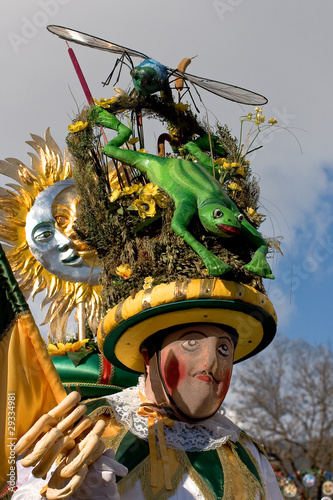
[
  {"x": 217, "y": 213},
  {"x": 43, "y": 234},
  {"x": 240, "y": 217}
]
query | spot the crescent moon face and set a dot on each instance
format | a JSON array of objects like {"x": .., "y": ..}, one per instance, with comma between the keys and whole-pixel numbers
[{"x": 53, "y": 249}]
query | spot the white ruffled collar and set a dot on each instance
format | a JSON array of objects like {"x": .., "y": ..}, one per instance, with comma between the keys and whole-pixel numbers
[{"x": 203, "y": 436}]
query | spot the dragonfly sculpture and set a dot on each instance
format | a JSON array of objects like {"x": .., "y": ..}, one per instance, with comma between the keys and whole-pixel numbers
[{"x": 150, "y": 76}]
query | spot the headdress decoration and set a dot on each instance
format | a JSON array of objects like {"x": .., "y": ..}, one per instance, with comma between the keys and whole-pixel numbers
[{"x": 50, "y": 173}]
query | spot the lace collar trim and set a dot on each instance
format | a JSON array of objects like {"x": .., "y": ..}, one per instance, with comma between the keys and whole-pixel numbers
[{"x": 203, "y": 436}]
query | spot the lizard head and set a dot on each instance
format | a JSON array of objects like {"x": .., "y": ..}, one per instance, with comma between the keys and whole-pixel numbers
[{"x": 220, "y": 220}]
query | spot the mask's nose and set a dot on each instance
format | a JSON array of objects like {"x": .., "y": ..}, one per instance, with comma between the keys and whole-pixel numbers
[
  {"x": 63, "y": 243},
  {"x": 210, "y": 364},
  {"x": 63, "y": 248}
]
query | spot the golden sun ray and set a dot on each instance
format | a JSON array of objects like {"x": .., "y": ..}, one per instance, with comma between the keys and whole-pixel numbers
[{"x": 63, "y": 294}]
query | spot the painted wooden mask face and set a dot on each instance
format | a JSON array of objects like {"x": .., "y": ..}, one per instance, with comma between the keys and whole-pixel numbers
[{"x": 196, "y": 365}]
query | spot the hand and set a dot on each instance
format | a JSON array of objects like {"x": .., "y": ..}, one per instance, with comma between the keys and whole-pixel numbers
[
  {"x": 63, "y": 431},
  {"x": 100, "y": 481}
]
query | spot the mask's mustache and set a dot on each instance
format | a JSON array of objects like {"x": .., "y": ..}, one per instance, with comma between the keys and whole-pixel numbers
[{"x": 209, "y": 374}]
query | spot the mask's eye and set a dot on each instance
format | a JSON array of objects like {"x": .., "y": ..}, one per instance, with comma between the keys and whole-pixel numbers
[
  {"x": 223, "y": 350},
  {"x": 43, "y": 234},
  {"x": 217, "y": 213},
  {"x": 190, "y": 345},
  {"x": 240, "y": 217},
  {"x": 62, "y": 221}
]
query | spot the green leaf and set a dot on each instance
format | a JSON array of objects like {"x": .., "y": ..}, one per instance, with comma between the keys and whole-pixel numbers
[
  {"x": 146, "y": 222},
  {"x": 77, "y": 356},
  {"x": 120, "y": 211}
]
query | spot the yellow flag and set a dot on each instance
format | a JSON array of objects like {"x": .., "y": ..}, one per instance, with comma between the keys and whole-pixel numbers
[{"x": 30, "y": 384}]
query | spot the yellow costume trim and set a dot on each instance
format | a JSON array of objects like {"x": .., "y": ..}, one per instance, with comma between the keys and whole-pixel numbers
[
  {"x": 242, "y": 439},
  {"x": 142, "y": 472},
  {"x": 113, "y": 435},
  {"x": 152, "y": 413},
  {"x": 252, "y": 486},
  {"x": 234, "y": 487},
  {"x": 196, "y": 478}
]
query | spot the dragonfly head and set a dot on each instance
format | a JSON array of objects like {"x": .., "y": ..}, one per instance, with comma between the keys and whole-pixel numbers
[{"x": 149, "y": 77}]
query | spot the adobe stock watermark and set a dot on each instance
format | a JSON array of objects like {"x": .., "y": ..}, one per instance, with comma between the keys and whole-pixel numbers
[
  {"x": 11, "y": 440},
  {"x": 30, "y": 26},
  {"x": 224, "y": 7}
]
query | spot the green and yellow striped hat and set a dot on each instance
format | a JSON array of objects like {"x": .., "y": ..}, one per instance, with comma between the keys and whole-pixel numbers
[{"x": 127, "y": 325}]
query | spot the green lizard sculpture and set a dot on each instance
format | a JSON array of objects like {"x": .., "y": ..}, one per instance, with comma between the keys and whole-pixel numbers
[{"x": 192, "y": 188}]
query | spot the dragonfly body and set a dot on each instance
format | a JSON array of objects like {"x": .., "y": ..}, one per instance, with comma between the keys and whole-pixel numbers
[{"x": 151, "y": 76}]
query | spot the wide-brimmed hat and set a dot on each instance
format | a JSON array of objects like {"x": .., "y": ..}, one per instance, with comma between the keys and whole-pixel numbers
[{"x": 127, "y": 325}]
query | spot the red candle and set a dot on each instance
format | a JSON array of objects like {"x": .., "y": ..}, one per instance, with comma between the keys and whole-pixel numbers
[{"x": 80, "y": 75}]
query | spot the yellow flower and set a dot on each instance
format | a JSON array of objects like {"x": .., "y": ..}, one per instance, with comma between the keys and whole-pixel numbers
[
  {"x": 233, "y": 186},
  {"x": 132, "y": 141},
  {"x": 240, "y": 171},
  {"x": 77, "y": 126},
  {"x": 145, "y": 206},
  {"x": 251, "y": 211},
  {"x": 142, "y": 150},
  {"x": 226, "y": 166},
  {"x": 61, "y": 349},
  {"x": 104, "y": 103},
  {"x": 161, "y": 199},
  {"x": 134, "y": 188},
  {"x": 254, "y": 215},
  {"x": 259, "y": 119},
  {"x": 148, "y": 283},
  {"x": 249, "y": 116},
  {"x": 115, "y": 195},
  {"x": 272, "y": 121},
  {"x": 220, "y": 161},
  {"x": 180, "y": 106},
  {"x": 149, "y": 189},
  {"x": 124, "y": 271},
  {"x": 235, "y": 165}
]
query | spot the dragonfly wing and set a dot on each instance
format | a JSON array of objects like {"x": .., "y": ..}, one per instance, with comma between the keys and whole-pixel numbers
[
  {"x": 92, "y": 41},
  {"x": 225, "y": 90}
]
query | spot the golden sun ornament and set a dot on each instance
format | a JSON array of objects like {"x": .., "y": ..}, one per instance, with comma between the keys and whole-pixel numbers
[{"x": 36, "y": 222}]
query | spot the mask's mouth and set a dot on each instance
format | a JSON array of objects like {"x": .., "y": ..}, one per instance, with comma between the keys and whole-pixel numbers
[
  {"x": 71, "y": 258},
  {"x": 230, "y": 230},
  {"x": 206, "y": 377}
]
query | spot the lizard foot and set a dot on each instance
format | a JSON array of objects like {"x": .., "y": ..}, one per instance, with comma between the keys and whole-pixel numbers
[
  {"x": 108, "y": 120},
  {"x": 259, "y": 266},
  {"x": 105, "y": 118},
  {"x": 215, "y": 266}
]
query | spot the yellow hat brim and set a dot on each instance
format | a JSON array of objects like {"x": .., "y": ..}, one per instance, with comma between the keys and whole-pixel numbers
[{"x": 128, "y": 325}]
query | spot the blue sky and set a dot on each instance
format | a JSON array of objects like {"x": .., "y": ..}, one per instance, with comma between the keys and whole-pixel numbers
[{"x": 280, "y": 49}]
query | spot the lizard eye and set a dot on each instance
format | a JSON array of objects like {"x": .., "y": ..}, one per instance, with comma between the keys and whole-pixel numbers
[
  {"x": 217, "y": 213},
  {"x": 240, "y": 217}
]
